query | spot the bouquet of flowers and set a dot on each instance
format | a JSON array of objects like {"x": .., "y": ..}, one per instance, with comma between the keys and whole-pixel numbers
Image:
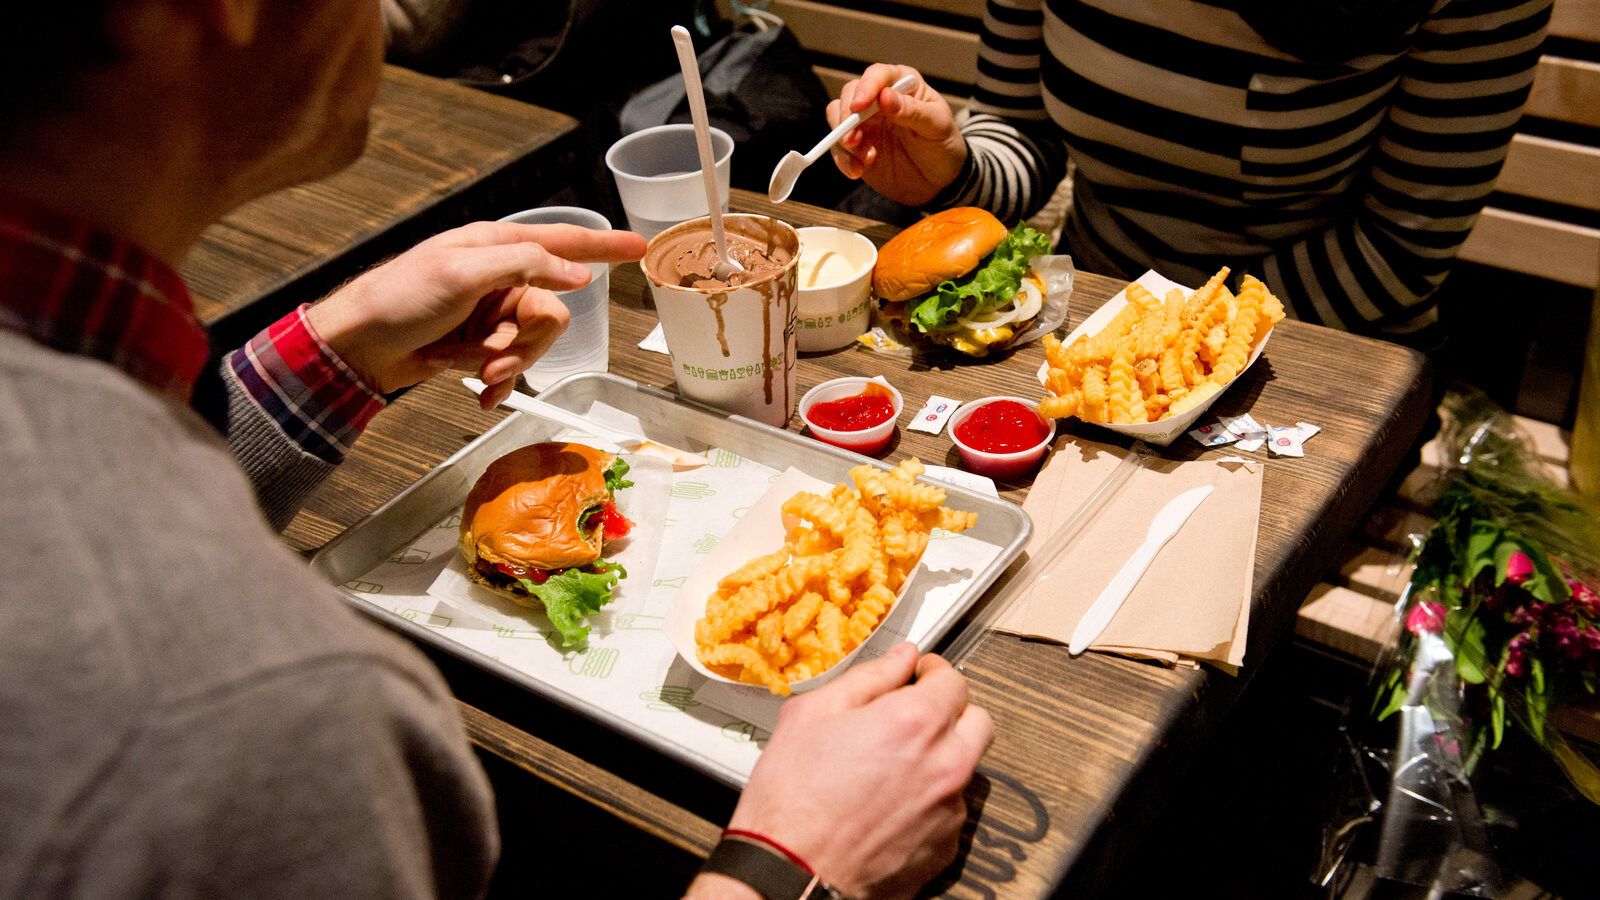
[
  {"x": 1502, "y": 633},
  {"x": 1507, "y": 581}
]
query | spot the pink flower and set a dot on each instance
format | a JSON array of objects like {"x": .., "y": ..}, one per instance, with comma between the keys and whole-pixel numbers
[
  {"x": 1585, "y": 597},
  {"x": 1514, "y": 665},
  {"x": 1519, "y": 567},
  {"x": 1425, "y": 616}
]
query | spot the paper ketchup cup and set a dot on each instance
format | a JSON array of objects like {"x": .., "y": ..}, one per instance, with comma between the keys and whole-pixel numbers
[
  {"x": 825, "y": 397},
  {"x": 981, "y": 458}
]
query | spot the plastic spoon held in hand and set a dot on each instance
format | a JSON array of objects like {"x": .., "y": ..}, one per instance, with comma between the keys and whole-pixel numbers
[
  {"x": 793, "y": 163},
  {"x": 726, "y": 265}
]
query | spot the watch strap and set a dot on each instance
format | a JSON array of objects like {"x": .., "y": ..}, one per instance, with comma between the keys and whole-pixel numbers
[{"x": 772, "y": 875}]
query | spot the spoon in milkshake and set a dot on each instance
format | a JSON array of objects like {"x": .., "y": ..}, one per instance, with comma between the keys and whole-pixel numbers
[{"x": 726, "y": 265}]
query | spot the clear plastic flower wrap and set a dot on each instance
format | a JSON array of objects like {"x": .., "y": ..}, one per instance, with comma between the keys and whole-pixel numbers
[{"x": 1500, "y": 639}]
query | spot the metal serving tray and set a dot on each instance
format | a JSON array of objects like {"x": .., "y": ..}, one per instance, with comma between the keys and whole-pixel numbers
[{"x": 384, "y": 534}]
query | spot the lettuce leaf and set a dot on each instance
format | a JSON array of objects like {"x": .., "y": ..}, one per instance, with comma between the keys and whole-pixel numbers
[
  {"x": 573, "y": 594},
  {"x": 991, "y": 285},
  {"x": 615, "y": 480}
]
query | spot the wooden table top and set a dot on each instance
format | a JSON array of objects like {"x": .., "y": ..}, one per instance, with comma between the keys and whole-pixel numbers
[
  {"x": 1085, "y": 748},
  {"x": 438, "y": 154}
]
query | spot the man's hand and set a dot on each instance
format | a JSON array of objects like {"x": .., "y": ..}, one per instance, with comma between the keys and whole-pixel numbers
[
  {"x": 911, "y": 149},
  {"x": 478, "y": 296},
  {"x": 863, "y": 778}
]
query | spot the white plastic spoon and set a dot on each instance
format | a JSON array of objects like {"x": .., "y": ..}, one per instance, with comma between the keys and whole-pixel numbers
[
  {"x": 726, "y": 265},
  {"x": 789, "y": 168}
]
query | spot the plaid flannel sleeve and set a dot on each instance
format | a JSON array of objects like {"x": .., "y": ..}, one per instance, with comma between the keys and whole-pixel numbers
[{"x": 304, "y": 387}]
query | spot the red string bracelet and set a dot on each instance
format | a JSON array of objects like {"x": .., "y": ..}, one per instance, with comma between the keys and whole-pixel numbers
[{"x": 763, "y": 839}]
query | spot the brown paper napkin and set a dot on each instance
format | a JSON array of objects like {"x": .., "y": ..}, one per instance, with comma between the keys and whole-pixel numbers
[{"x": 1193, "y": 603}]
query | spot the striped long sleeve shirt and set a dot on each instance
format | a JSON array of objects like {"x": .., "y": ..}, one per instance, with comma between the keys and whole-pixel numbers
[{"x": 1347, "y": 186}]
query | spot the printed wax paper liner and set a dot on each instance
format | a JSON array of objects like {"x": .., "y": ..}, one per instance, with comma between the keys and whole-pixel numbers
[{"x": 628, "y": 666}]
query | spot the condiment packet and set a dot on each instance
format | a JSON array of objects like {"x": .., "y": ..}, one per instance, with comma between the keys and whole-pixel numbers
[
  {"x": 934, "y": 413},
  {"x": 655, "y": 341},
  {"x": 878, "y": 339},
  {"x": 1251, "y": 433},
  {"x": 1289, "y": 440},
  {"x": 1285, "y": 441},
  {"x": 1213, "y": 435},
  {"x": 962, "y": 478}
]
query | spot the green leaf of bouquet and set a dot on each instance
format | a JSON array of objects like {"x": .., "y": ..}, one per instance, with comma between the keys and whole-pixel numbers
[
  {"x": 1483, "y": 549},
  {"x": 1397, "y": 702},
  {"x": 1497, "y": 719},
  {"x": 1538, "y": 711},
  {"x": 1466, "y": 643}
]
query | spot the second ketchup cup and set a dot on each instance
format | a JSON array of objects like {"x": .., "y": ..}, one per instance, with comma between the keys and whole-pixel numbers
[{"x": 1001, "y": 448}]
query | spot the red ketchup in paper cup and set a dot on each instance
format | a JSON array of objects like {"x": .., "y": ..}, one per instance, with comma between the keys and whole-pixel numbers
[
  {"x": 853, "y": 413},
  {"x": 1001, "y": 437}
]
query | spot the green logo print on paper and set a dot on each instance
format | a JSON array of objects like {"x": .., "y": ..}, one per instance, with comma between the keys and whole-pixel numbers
[
  {"x": 452, "y": 522},
  {"x": 692, "y": 490},
  {"x": 594, "y": 662},
  {"x": 411, "y": 556},
  {"x": 364, "y": 587},
  {"x": 517, "y": 634},
  {"x": 740, "y": 732},
  {"x": 707, "y": 543},
  {"x": 719, "y": 458},
  {"x": 675, "y": 583},
  {"x": 669, "y": 698},
  {"x": 431, "y": 620},
  {"x": 637, "y": 622}
]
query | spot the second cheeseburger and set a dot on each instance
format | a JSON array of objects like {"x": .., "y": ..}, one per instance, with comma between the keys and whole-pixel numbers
[
  {"x": 961, "y": 279},
  {"x": 534, "y": 528}
]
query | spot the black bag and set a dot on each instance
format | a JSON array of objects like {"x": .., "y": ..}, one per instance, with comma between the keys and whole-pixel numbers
[{"x": 761, "y": 90}]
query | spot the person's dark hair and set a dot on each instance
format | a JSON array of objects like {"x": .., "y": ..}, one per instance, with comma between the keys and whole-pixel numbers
[{"x": 45, "y": 46}]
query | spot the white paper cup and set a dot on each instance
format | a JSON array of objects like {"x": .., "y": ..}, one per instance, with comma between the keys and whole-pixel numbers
[
  {"x": 835, "y": 287},
  {"x": 586, "y": 344},
  {"x": 657, "y": 171},
  {"x": 732, "y": 348}
]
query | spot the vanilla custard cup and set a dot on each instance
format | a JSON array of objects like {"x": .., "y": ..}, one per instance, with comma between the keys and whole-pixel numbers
[
  {"x": 835, "y": 287},
  {"x": 734, "y": 347}
]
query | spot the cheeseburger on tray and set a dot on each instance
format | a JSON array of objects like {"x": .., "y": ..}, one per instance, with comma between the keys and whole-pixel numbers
[
  {"x": 961, "y": 279},
  {"x": 535, "y": 525}
]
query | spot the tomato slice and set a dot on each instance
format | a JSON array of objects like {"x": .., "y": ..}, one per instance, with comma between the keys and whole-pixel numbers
[
  {"x": 537, "y": 576},
  {"x": 617, "y": 524}
]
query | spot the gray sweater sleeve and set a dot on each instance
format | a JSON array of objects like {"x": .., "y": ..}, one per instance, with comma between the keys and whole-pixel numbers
[{"x": 281, "y": 471}]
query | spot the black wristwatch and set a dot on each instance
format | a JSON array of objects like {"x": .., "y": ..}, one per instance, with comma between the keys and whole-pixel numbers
[{"x": 772, "y": 875}]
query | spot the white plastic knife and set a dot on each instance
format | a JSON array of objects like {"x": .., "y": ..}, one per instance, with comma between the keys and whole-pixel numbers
[
  {"x": 1162, "y": 528},
  {"x": 630, "y": 442}
]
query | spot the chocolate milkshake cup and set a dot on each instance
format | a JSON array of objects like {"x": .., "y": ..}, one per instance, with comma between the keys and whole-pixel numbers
[{"x": 732, "y": 343}]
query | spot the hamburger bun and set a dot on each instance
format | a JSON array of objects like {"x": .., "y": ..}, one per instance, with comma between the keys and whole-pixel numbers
[
  {"x": 943, "y": 246},
  {"x": 526, "y": 508}
]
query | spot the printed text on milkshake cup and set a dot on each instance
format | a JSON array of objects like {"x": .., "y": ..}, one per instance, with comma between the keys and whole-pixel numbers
[{"x": 735, "y": 374}]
